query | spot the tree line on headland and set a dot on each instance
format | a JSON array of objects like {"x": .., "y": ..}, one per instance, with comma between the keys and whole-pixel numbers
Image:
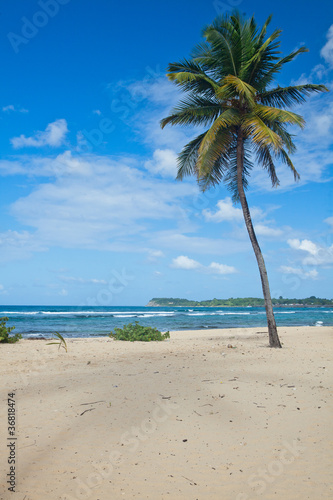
[{"x": 239, "y": 302}]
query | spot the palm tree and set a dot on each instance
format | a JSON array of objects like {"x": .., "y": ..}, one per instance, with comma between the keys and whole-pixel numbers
[{"x": 228, "y": 82}]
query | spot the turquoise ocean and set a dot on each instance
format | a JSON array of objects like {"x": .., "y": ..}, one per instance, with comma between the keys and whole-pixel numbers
[{"x": 88, "y": 321}]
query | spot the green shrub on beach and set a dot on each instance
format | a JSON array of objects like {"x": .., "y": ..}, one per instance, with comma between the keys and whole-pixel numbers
[
  {"x": 138, "y": 332},
  {"x": 5, "y": 331}
]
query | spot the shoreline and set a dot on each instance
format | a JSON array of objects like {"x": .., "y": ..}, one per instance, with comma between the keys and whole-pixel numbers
[
  {"x": 188, "y": 417},
  {"x": 230, "y": 332}
]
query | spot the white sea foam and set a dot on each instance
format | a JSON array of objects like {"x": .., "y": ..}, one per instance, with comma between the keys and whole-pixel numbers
[
  {"x": 126, "y": 316},
  {"x": 153, "y": 313},
  {"x": 234, "y": 313},
  {"x": 19, "y": 312}
]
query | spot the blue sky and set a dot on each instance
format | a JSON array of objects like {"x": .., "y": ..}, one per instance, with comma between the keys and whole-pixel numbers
[{"x": 90, "y": 211}]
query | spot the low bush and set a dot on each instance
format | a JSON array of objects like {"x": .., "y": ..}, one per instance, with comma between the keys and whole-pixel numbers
[
  {"x": 138, "y": 332},
  {"x": 5, "y": 331}
]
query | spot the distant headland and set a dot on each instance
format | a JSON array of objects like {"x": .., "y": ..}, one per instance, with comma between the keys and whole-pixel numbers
[{"x": 240, "y": 302}]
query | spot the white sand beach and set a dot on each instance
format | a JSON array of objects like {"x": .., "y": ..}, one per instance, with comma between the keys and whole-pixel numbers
[{"x": 188, "y": 418}]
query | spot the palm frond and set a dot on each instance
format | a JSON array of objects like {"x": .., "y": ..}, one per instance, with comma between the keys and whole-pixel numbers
[
  {"x": 231, "y": 177},
  {"x": 234, "y": 86},
  {"x": 61, "y": 343},
  {"x": 269, "y": 76},
  {"x": 289, "y": 96},
  {"x": 262, "y": 53},
  {"x": 273, "y": 115},
  {"x": 286, "y": 137},
  {"x": 260, "y": 38},
  {"x": 264, "y": 158},
  {"x": 217, "y": 36},
  {"x": 188, "y": 157},
  {"x": 285, "y": 158},
  {"x": 191, "y": 78},
  {"x": 220, "y": 131},
  {"x": 195, "y": 110},
  {"x": 260, "y": 133},
  {"x": 219, "y": 168}
]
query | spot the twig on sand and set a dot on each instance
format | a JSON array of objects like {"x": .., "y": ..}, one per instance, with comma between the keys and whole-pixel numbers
[
  {"x": 94, "y": 402},
  {"x": 86, "y": 411},
  {"x": 27, "y": 446},
  {"x": 192, "y": 482}
]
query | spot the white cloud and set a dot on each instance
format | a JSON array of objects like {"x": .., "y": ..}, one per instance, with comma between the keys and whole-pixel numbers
[
  {"x": 206, "y": 246},
  {"x": 95, "y": 202},
  {"x": 82, "y": 144},
  {"x": 306, "y": 245},
  {"x": 82, "y": 281},
  {"x": 323, "y": 258},
  {"x": 97, "y": 112},
  {"x": 222, "y": 268},
  {"x": 53, "y": 135},
  {"x": 154, "y": 255},
  {"x": 323, "y": 122},
  {"x": 10, "y": 107},
  {"x": 3, "y": 291},
  {"x": 164, "y": 163},
  {"x": 263, "y": 230},
  {"x": 19, "y": 245},
  {"x": 156, "y": 88},
  {"x": 183, "y": 262},
  {"x": 317, "y": 255},
  {"x": 327, "y": 51},
  {"x": 301, "y": 273},
  {"x": 329, "y": 221},
  {"x": 226, "y": 211},
  {"x": 154, "y": 96},
  {"x": 62, "y": 165},
  {"x": 13, "y": 108}
]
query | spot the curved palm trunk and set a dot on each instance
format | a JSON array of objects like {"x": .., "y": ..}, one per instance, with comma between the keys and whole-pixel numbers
[{"x": 272, "y": 330}]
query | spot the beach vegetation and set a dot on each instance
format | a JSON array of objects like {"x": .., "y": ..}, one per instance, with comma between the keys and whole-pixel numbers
[
  {"x": 135, "y": 332},
  {"x": 239, "y": 302},
  {"x": 61, "y": 341},
  {"x": 5, "y": 337},
  {"x": 230, "y": 89}
]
